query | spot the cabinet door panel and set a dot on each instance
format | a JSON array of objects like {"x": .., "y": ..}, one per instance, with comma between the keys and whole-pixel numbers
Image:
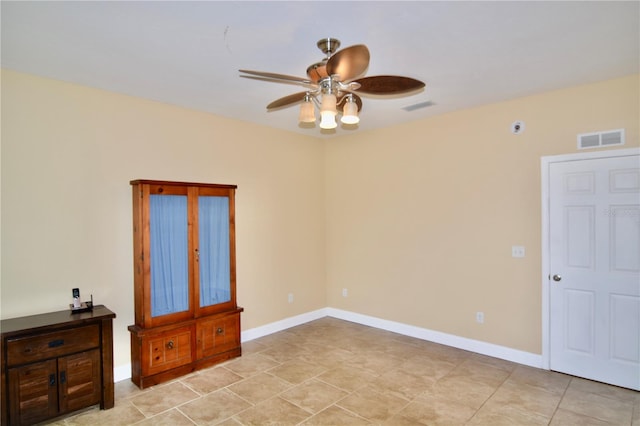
[
  {"x": 33, "y": 392},
  {"x": 218, "y": 335},
  {"x": 166, "y": 350},
  {"x": 79, "y": 377},
  {"x": 169, "y": 254},
  {"x": 213, "y": 250}
]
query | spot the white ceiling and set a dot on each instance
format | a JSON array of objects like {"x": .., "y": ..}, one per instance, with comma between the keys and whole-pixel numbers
[{"x": 189, "y": 53}]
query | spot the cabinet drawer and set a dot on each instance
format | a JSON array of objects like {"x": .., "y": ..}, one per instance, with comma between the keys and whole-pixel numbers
[
  {"x": 217, "y": 335},
  {"x": 166, "y": 350},
  {"x": 22, "y": 350}
]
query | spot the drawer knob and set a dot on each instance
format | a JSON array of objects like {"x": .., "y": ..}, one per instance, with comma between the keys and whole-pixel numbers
[
  {"x": 170, "y": 344},
  {"x": 220, "y": 330}
]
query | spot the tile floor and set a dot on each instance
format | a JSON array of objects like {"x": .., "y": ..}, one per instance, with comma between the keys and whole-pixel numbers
[{"x": 334, "y": 372}]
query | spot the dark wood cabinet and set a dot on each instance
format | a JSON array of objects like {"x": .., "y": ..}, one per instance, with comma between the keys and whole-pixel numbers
[
  {"x": 56, "y": 363},
  {"x": 186, "y": 315}
]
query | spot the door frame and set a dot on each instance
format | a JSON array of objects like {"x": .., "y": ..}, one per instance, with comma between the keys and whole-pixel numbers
[{"x": 545, "y": 164}]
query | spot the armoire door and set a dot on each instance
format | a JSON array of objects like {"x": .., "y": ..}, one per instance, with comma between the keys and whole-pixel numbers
[
  {"x": 169, "y": 254},
  {"x": 214, "y": 246}
]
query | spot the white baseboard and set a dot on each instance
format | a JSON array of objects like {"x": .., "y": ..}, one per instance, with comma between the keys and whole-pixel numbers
[
  {"x": 484, "y": 348},
  {"x": 274, "y": 327},
  {"x": 502, "y": 352},
  {"x": 122, "y": 372}
]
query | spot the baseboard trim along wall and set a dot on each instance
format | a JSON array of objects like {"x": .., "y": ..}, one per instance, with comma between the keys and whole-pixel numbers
[
  {"x": 274, "y": 327},
  {"x": 484, "y": 348},
  {"x": 122, "y": 372}
]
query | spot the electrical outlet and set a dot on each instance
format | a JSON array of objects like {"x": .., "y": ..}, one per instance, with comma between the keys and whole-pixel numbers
[
  {"x": 345, "y": 292},
  {"x": 290, "y": 297},
  {"x": 517, "y": 251},
  {"x": 480, "y": 317}
]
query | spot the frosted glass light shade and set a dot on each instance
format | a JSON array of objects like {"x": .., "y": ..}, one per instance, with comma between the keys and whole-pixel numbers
[
  {"x": 328, "y": 120},
  {"x": 328, "y": 112},
  {"x": 350, "y": 113},
  {"x": 307, "y": 113}
]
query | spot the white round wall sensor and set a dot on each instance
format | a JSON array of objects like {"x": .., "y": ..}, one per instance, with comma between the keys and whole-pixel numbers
[{"x": 517, "y": 127}]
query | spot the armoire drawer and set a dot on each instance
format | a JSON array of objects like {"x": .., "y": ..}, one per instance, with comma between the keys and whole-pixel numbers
[
  {"x": 165, "y": 350},
  {"x": 217, "y": 335},
  {"x": 23, "y": 350}
]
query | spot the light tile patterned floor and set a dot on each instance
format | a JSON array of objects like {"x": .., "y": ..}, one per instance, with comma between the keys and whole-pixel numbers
[{"x": 333, "y": 372}]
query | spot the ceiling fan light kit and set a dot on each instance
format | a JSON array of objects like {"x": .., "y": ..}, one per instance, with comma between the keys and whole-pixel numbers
[
  {"x": 307, "y": 111},
  {"x": 332, "y": 83},
  {"x": 350, "y": 111},
  {"x": 328, "y": 111}
]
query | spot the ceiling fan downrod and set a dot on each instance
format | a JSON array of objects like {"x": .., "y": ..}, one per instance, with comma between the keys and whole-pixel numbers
[
  {"x": 328, "y": 45},
  {"x": 318, "y": 71}
]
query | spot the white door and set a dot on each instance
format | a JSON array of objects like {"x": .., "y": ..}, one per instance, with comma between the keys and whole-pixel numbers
[{"x": 594, "y": 282}]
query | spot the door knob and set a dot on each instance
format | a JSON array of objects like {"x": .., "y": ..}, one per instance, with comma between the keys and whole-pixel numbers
[{"x": 557, "y": 277}]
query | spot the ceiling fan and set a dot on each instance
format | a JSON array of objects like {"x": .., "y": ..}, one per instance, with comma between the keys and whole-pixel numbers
[{"x": 334, "y": 83}]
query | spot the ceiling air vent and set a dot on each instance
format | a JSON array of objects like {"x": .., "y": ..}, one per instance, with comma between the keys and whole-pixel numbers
[{"x": 601, "y": 139}]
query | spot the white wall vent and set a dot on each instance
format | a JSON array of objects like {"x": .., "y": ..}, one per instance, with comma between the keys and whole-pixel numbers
[{"x": 601, "y": 139}]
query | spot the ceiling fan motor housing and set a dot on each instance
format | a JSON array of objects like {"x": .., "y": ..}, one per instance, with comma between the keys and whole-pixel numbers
[{"x": 318, "y": 71}]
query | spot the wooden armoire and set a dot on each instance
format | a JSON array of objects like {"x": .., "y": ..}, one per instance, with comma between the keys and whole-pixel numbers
[{"x": 186, "y": 315}]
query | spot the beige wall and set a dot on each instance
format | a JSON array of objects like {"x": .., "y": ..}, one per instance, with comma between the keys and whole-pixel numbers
[
  {"x": 416, "y": 221},
  {"x": 421, "y": 217},
  {"x": 68, "y": 154}
]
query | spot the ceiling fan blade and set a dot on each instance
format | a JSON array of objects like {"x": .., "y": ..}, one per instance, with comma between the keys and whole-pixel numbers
[
  {"x": 272, "y": 80},
  {"x": 388, "y": 85},
  {"x": 287, "y": 101},
  {"x": 275, "y": 76},
  {"x": 349, "y": 63}
]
